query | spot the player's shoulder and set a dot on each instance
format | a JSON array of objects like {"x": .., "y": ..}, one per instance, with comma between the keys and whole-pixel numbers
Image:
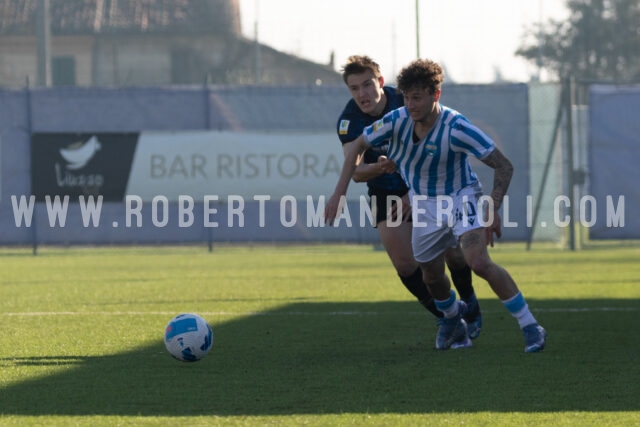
[
  {"x": 395, "y": 98},
  {"x": 452, "y": 117},
  {"x": 350, "y": 111},
  {"x": 350, "y": 122},
  {"x": 450, "y": 113}
]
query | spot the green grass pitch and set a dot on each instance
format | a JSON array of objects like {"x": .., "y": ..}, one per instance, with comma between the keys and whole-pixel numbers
[{"x": 309, "y": 335}]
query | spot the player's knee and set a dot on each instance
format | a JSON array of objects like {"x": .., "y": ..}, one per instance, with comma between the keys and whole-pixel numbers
[
  {"x": 406, "y": 267},
  {"x": 482, "y": 266}
]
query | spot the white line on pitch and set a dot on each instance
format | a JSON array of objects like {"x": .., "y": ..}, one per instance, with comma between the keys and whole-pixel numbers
[{"x": 289, "y": 313}]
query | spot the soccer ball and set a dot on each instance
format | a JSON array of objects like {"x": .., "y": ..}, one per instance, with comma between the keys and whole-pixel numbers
[{"x": 188, "y": 337}]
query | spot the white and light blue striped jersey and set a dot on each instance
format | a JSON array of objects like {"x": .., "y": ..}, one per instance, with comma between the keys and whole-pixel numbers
[{"x": 438, "y": 164}]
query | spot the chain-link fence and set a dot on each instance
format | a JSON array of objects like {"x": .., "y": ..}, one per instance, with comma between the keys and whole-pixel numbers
[
  {"x": 568, "y": 193},
  {"x": 581, "y": 131}
]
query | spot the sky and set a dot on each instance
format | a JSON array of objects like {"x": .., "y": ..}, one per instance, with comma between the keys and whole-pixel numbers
[{"x": 473, "y": 39}]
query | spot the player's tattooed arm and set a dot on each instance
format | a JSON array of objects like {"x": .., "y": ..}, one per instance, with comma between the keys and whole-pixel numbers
[{"x": 502, "y": 173}]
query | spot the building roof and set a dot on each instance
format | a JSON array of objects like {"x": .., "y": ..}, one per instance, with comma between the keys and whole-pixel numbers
[{"x": 74, "y": 17}]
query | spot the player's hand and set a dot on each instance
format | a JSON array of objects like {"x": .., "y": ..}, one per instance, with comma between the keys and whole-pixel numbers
[
  {"x": 387, "y": 166},
  {"x": 332, "y": 208},
  {"x": 493, "y": 228}
]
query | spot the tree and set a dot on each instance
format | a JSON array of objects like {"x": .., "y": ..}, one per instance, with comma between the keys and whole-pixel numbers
[{"x": 600, "y": 41}]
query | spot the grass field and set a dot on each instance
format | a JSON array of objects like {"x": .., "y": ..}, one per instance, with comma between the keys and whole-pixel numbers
[{"x": 309, "y": 335}]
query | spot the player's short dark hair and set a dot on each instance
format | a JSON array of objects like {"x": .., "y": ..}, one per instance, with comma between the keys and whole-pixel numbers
[
  {"x": 421, "y": 74},
  {"x": 358, "y": 64}
]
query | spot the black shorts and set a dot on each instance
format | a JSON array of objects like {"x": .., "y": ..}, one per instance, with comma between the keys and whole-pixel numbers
[{"x": 380, "y": 208}]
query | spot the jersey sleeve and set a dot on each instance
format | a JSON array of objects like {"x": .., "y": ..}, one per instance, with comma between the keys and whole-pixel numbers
[
  {"x": 349, "y": 126},
  {"x": 380, "y": 131},
  {"x": 469, "y": 139}
]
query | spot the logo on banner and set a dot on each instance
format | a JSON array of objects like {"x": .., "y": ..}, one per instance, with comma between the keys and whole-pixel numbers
[
  {"x": 73, "y": 164},
  {"x": 78, "y": 154}
]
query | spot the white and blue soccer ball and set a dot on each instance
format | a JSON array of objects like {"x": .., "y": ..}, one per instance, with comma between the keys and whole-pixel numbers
[{"x": 188, "y": 337}]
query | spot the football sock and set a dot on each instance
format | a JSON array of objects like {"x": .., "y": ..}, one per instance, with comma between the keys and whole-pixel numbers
[
  {"x": 416, "y": 286},
  {"x": 449, "y": 306},
  {"x": 431, "y": 306},
  {"x": 519, "y": 309},
  {"x": 461, "y": 279}
]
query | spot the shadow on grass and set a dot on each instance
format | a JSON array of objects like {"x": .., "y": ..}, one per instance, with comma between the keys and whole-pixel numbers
[{"x": 318, "y": 358}]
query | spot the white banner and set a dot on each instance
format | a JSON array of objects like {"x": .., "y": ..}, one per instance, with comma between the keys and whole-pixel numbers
[{"x": 206, "y": 163}]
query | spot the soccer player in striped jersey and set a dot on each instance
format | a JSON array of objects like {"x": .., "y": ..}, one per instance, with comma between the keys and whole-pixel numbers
[
  {"x": 431, "y": 145},
  {"x": 371, "y": 100}
]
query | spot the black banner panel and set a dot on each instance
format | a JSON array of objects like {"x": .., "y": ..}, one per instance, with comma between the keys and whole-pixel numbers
[{"x": 76, "y": 164}]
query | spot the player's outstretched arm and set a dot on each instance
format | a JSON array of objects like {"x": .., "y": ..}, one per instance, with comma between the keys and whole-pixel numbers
[
  {"x": 502, "y": 173},
  {"x": 352, "y": 152},
  {"x": 364, "y": 171},
  {"x": 367, "y": 171}
]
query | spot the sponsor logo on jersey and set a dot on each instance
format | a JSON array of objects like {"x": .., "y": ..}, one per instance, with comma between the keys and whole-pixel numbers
[{"x": 344, "y": 127}]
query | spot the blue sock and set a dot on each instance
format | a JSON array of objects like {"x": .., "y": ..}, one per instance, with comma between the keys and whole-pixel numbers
[
  {"x": 519, "y": 309},
  {"x": 448, "y": 307}
]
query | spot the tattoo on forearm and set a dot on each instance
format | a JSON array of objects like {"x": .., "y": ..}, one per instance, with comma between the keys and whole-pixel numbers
[
  {"x": 502, "y": 173},
  {"x": 501, "y": 179}
]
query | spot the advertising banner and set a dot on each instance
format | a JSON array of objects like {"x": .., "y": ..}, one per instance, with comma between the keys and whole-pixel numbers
[
  {"x": 195, "y": 164},
  {"x": 199, "y": 164},
  {"x": 70, "y": 164}
]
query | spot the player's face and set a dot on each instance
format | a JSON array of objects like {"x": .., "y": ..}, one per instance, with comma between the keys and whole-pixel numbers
[
  {"x": 366, "y": 90},
  {"x": 421, "y": 103}
]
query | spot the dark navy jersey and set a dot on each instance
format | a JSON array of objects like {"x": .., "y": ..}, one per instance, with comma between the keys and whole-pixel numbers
[{"x": 352, "y": 122}]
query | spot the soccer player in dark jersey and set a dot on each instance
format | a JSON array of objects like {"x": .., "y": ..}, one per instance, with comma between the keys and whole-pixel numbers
[{"x": 371, "y": 100}]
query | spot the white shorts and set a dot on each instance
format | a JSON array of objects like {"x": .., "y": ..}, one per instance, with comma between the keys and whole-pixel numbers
[{"x": 438, "y": 222}]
